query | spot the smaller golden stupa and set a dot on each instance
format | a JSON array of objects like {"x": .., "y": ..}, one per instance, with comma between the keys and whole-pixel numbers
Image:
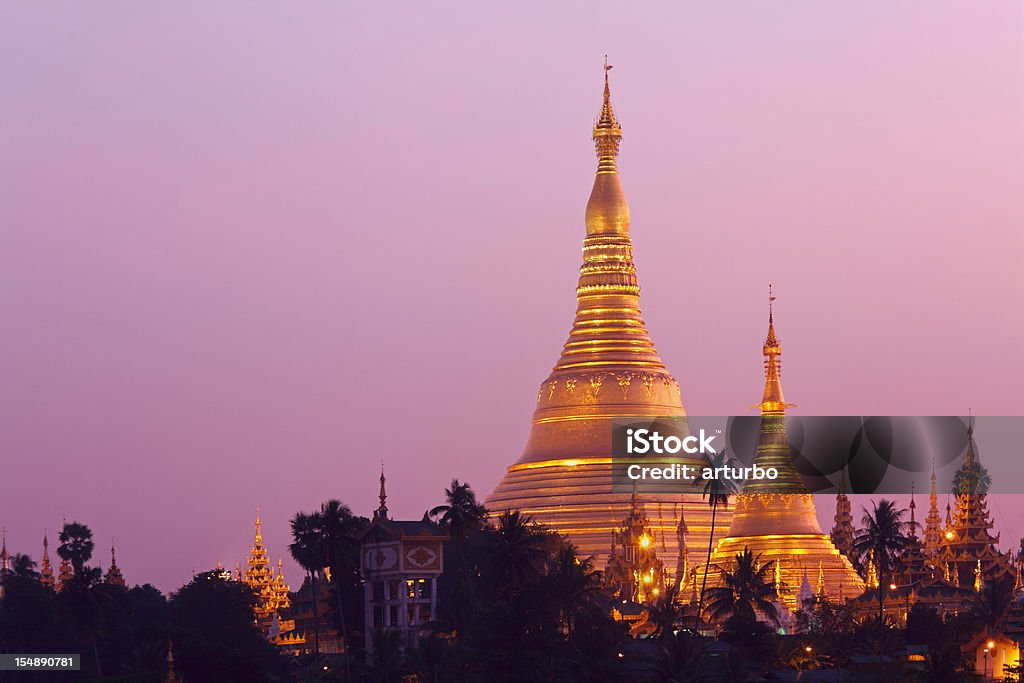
[{"x": 776, "y": 519}]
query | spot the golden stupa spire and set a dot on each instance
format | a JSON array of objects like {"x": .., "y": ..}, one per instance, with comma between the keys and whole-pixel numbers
[
  {"x": 773, "y": 443},
  {"x": 913, "y": 510},
  {"x": 609, "y": 332},
  {"x": 772, "y": 401},
  {"x": 114, "y": 576}
]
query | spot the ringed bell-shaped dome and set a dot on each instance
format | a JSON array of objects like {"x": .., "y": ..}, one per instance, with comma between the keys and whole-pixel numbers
[{"x": 608, "y": 369}]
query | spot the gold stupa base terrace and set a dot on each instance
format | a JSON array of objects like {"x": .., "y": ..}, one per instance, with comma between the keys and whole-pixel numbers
[
  {"x": 575, "y": 497},
  {"x": 795, "y": 553}
]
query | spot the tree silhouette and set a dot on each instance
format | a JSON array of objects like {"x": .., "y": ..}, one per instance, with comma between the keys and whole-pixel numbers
[
  {"x": 748, "y": 589},
  {"x": 76, "y": 545},
  {"x": 307, "y": 549},
  {"x": 717, "y": 491},
  {"x": 884, "y": 535}
]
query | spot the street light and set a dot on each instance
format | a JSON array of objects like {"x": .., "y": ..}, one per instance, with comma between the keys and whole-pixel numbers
[{"x": 984, "y": 668}]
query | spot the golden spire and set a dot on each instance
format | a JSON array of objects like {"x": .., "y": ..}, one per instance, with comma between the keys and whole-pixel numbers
[
  {"x": 171, "y": 676},
  {"x": 872, "y": 572},
  {"x": 113, "y": 576},
  {"x": 913, "y": 508},
  {"x": 773, "y": 443},
  {"x": 46, "y": 570},
  {"x": 609, "y": 330},
  {"x": 772, "y": 401}
]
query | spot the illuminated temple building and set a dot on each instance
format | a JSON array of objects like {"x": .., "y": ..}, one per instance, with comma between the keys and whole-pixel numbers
[
  {"x": 272, "y": 596},
  {"x": 608, "y": 369},
  {"x": 953, "y": 560},
  {"x": 776, "y": 519}
]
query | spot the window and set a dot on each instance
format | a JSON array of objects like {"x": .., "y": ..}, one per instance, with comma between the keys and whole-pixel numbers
[{"x": 378, "y": 591}]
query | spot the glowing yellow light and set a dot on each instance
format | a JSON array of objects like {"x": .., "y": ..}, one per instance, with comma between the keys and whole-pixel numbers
[
  {"x": 647, "y": 578},
  {"x": 807, "y": 649},
  {"x": 892, "y": 586},
  {"x": 991, "y": 644},
  {"x": 645, "y": 541},
  {"x": 656, "y": 591},
  {"x": 949, "y": 535}
]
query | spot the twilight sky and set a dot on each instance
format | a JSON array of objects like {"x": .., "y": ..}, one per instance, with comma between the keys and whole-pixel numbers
[{"x": 249, "y": 250}]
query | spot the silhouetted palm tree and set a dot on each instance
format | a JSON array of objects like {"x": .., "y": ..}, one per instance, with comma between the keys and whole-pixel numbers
[
  {"x": 518, "y": 549},
  {"x": 76, "y": 545},
  {"x": 885, "y": 535},
  {"x": 307, "y": 549},
  {"x": 989, "y": 605},
  {"x": 717, "y": 492},
  {"x": 573, "y": 582},
  {"x": 462, "y": 513},
  {"x": 747, "y": 589},
  {"x": 24, "y": 566},
  {"x": 341, "y": 547}
]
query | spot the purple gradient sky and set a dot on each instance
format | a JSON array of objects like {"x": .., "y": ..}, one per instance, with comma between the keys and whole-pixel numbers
[{"x": 248, "y": 250}]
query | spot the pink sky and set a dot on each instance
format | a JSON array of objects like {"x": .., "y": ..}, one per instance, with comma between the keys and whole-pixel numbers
[{"x": 247, "y": 251}]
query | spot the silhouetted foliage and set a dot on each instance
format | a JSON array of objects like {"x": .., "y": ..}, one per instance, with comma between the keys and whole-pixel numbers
[{"x": 214, "y": 634}]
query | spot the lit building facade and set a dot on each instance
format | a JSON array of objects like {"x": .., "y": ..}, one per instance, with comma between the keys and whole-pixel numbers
[{"x": 401, "y": 562}]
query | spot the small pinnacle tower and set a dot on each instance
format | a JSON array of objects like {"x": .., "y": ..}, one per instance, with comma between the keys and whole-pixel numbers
[
  {"x": 171, "y": 676},
  {"x": 5, "y": 557},
  {"x": 933, "y": 522},
  {"x": 382, "y": 510},
  {"x": 842, "y": 527},
  {"x": 46, "y": 569},
  {"x": 776, "y": 519},
  {"x": 913, "y": 511},
  {"x": 5, "y": 561},
  {"x": 608, "y": 368},
  {"x": 113, "y": 576}
]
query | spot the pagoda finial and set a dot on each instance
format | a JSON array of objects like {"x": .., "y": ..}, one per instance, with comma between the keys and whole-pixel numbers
[
  {"x": 171, "y": 677},
  {"x": 772, "y": 402},
  {"x": 382, "y": 510},
  {"x": 607, "y": 210},
  {"x": 607, "y": 132},
  {"x": 259, "y": 530},
  {"x": 913, "y": 508}
]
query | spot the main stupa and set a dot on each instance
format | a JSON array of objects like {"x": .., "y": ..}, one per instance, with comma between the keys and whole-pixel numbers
[{"x": 608, "y": 369}]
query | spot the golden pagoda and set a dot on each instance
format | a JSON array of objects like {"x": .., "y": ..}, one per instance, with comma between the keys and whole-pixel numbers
[
  {"x": 272, "y": 593},
  {"x": 608, "y": 369},
  {"x": 113, "y": 576},
  {"x": 65, "y": 574},
  {"x": 776, "y": 519},
  {"x": 842, "y": 527},
  {"x": 46, "y": 569},
  {"x": 967, "y": 547},
  {"x": 634, "y": 571}
]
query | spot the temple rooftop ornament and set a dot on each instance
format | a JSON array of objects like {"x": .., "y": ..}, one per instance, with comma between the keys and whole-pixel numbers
[{"x": 608, "y": 368}]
